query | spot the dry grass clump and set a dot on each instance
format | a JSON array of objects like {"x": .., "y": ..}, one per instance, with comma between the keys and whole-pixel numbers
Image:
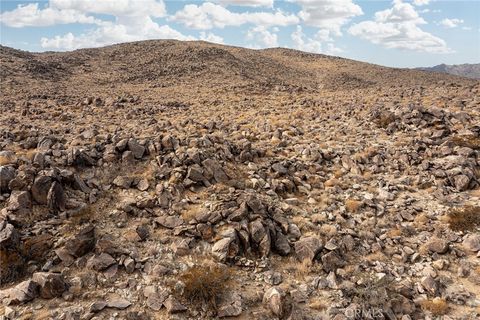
[
  {"x": 204, "y": 284},
  {"x": 4, "y": 160},
  {"x": 470, "y": 141},
  {"x": 352, "y": 205},
  {"x": 464, "y": 219},
  {"x": 437, "y": 306},
  {"x": 384, "y": 119},
  {"x": 371, "y": 292}
]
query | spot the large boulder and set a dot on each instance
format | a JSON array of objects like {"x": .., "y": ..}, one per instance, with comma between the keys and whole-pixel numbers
[
  {"x": 82, "y": 243},
  {"x": 307, "y": 248},
  {"x": 51, "y": 285},
  {"x": 20, "y": 201},
  {"x": 40, "y": 188},
  {"x": 23, "y": 292}
]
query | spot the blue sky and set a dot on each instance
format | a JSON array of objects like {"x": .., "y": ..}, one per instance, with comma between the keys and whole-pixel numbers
[{"x": 399, "y": 33}]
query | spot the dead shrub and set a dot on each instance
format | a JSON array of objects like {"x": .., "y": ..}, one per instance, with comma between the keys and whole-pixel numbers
[
  {"x": 205, "y": 284},
  {"x": 436, "y": 306},
  {"x": 464, "y": 219}
]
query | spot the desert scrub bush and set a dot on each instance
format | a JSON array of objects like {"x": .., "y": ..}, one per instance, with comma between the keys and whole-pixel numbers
[
  {"x": 371, "y": 292},
  {"x": 205, "y": 284},
  {"x": 464, "y": 218},
  {"x": 437, "y": 306}
]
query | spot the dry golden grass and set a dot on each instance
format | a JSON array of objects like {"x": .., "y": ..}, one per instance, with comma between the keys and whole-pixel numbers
[
  {"x": 464, "y": 219},
  {"x": 393, "y": 233},
  {"x": 332, "y": 182},
  {"x": 469, "y": 141},
  {"x": 317, "y": 303},
  {"x": 4, "y": 161},
  {"x": 352, "y": 205},
  {"x": 205, "y": 283},
  {"x": 437, "y": 306},
  {"x": 376, "y": 256}
]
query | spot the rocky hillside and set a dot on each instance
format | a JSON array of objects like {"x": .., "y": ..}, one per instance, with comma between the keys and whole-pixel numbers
[
  {"x": 464, "y": 70},
  {"x": 187, "y": 180}
]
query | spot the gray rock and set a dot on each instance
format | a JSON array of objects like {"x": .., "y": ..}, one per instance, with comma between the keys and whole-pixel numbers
[
  {"x": 22, "y": 292},
  {"x": 306, "y": 248},
  {"x": 461, "y": 182},
  {"x": 155, "y": 298},
  {"x": 169, "y": 221},
  {"x": 231, "y": 306},
  {"x": 137, "y": 149},
  {"x": 195, "y": 173},
  {"x": 82, "y": 243},
  {"x": 274, "y": 300},
  {"x": 51, "y": 284},
  {"x": 98, "y": 306},
  {"x": 281, "y": 244},
  {"x": 472, "y": 242},
  {"x": 213, "y": 168},
  {"x": 100, "y": 262},
  {"x": 225, "y": 248},
  {"x": 173, "y": 305},
  {"x": 437, "y": 245},
  {"x": 123, "y": 182},
  {"x": 56, "y": 198},
  {"x": 143, "y": 185},
  {"x": 331, "y": 261},
  {"x": 7, "y": 174},
  {"x": 20, "y": 201},
  {"x": 118, "y": 303}
]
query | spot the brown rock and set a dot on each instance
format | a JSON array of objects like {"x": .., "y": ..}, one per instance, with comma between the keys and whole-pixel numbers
[
  {"x": 306, "y": 248},
  {"x": 40, "y": 189},
  {"x": 51, "y": 284},
  {"x": 56, "y": 198},
  {"x": 82, "y": 243},
  {"x": 173, "y": 305},
  {"x": 274, "y": 299}
]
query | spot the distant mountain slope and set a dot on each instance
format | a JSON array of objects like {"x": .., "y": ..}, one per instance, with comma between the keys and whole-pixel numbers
[{"x": 464, "y": 70}]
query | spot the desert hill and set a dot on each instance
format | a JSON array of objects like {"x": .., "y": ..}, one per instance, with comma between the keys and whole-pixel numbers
[
  {"x": 189, "y": 180},
  {"x": 152, "y": 64}
]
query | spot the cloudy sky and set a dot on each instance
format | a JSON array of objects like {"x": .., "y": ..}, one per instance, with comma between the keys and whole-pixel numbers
[{"x": 400, "y": 33}]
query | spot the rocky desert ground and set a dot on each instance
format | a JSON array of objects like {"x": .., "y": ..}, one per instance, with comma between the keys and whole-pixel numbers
[{"x": 187, "y": 180}]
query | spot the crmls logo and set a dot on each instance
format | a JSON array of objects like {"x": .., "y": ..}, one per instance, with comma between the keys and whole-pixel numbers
[{"x": 371, "y": 313}]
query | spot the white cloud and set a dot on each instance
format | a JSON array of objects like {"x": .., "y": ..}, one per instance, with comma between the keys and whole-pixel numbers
[
  {"x": 304, "y": 43},
  {"x": 210, "y": 37},
  {"x": 328, "y": 14},
  {"x": 154, "y": 8},
  {"x": 421, "y": 2},
  {"x": 397, "y": 28},
  {"x": 262, "y": 37},
  {"x": 133, "y": 22},
  {"x": 30, "y": 15},
  {"x": 209, "y": 15},
  {"x": 400, "y": 12},
  {"x": 247, "y": 3},
  {"x": 451, "y": 23},
  {"x": 113, "y": 33}
]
